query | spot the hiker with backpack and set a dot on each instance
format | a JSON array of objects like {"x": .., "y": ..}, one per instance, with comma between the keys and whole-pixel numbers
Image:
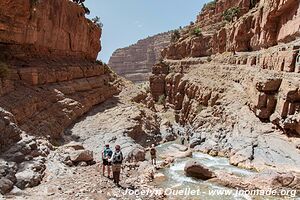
[
  {"x": 153, "y": 154},
  {"x": 182, "y": 139},
  {"x": 117, "y": 159},
  {"x": 106, "y": 155},
  {"x": 188, "y": 138}
]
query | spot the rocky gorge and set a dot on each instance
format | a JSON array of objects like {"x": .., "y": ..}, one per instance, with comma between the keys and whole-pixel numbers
[{"x": 231, "y": 85}]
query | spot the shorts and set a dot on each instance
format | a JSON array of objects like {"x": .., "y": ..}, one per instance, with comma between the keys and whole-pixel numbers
[
  {"x": 153, "y": 157},
  {"x": 116, "y": 168},
  {"x": 106, "y": 163}
]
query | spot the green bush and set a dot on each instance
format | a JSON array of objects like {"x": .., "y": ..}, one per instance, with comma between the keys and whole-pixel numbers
[
  {"x": 231, "y": 13},
  {"x": 33, "y": 2},
  {"x": 210, "y": 6},
  {"x": 209, "y": 59},
  {"x": 4, "y": 70},
  {"x": 195, "y": 32},
  {"x": 161, "y": 100},
  {"x": 175, "y": 36},
  {"x": 199, "y": 108},
  {"x": 253, "y": 3},
  {"x": 96, "y": 20},
  {"x": 86, "y": 10}
]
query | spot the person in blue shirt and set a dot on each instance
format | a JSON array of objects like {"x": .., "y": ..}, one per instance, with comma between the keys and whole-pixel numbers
[{"x": 106, "y": 155}]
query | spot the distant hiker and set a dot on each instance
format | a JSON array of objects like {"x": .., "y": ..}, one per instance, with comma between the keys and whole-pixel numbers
[
  {"x": 188, "y": 138},
  {"x": 182, "y": 139},
  {"x": 117, "y": 159},
  {"x": 106, "y": 155},
  {"x": 153, "y": 154}
]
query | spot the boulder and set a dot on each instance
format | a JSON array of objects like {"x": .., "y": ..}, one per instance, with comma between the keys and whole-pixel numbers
[
  {"x": 160, "y": 177},
  {"x": 146, "y": 171},
  {"x": 81, "y": 155},
  {"x": 274, "y": 179},
  {"x": 178, "y": 147},
  {"x": 5, "y": 185},
  {"x": 166, "y": 163},
  {"x": 177, "y": 151},
  {"x": 82, "y": 164},
  {"x": 30, "y": 173},
  {"x": 197, "y": 170},
  {"x": 130, "y": 149},
  {"x": 195, "y": 142},
  {"x": 136, "y": 154},
  {"x": 74, "y": 145}
]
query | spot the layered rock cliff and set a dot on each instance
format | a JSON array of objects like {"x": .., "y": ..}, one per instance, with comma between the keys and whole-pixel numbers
[
  {"x": 48, "y": 54},
  {"x": 255, "y": 26},
  {"x": 47, "y": 28},
  {"x": 135, "y": 62},
  {"x": 235, "y": 85}
]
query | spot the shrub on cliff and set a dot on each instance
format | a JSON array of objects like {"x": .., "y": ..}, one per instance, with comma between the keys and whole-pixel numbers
[
  {"x": 195, "y": 32},
  {"x": 4, "y": 70},
  {"x": 96, "y": 20},
  {"x": 86, "y": 10},
  {"x": 161, "y": 100},
  {"x": 199, "y": 108},
  {"x": 253, "y": 3},
  {"x": 175, "y": 36},
  {"x": 78, "y": 1},
  {"x": 33, "y": 2},
  {"x": 231, "y": 13},
  {"x": 210, "y": 6}
]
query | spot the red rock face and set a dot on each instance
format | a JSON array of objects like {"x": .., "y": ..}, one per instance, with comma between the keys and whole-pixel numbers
[
  {"x": 210, "y": 16},
  {"x": 190, "y": 47},
  {"x": 50, "y": 49},
  {"x": 267, "y": 24},
  {"x": 135, "y": 62},
  {"x": 48, "y": 28}
]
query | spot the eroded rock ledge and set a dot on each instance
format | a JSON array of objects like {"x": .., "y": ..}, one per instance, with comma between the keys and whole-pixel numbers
[
  {"x": 135, "y": 62},
  {"x": 231, "y": 109},
  {"x": 49, "y": 78},
  {"x": 54, "y": 28}
]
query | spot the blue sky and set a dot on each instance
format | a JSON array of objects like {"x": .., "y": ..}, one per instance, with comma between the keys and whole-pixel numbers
[{"x": 127, "y": 21}]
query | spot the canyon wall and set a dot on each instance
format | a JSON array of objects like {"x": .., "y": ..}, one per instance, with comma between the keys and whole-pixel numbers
[
  {"x": 47, "y": 28},
  {"x": 236, "y": 84},
  {"x": 231, "y": 111},
  {"x": 135, "y": 62},
  {"x": 49, "y": 75},
  {"x": 258, "y": 25}
]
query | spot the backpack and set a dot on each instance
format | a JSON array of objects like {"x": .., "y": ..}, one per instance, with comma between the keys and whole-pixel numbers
[
  {"x": 117, "y": 158},
  {"x": 107, "y": 152}
]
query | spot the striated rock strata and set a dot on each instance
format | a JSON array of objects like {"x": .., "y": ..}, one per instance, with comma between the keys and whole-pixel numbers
[
  {"x": 135, "y": 62},
  {"x": 230, "y": 110},
  {"x": 235, "y": 86},
  {"x": 53, "y": 77},
  {"x": 258, "y": 25},
  {"x": 49, "y": 77},
  {"x": 50, "y": 28}
]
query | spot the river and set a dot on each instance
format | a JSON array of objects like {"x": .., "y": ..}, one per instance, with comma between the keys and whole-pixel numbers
[{"x": 177, "y": 180}]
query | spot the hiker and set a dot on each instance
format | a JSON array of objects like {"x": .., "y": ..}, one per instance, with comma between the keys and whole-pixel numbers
[
  {"x": 182, "y": 139},
  {"x": 117, "y": 159},
  {"x": 106, "y": 155},
  {"x": 188, "y": 138},
  {"x": 153, "y": 154}
]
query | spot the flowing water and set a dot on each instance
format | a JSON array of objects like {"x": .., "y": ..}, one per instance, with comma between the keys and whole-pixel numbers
[{"x": 177, "y": 180}]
